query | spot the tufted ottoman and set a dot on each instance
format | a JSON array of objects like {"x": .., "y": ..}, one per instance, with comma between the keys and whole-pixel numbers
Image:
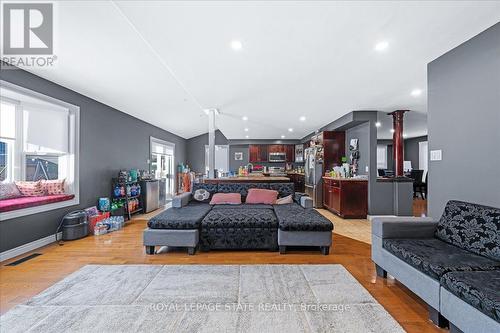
[
  {"x": 241, "y": 227},
  {"x": 302, "y": 227},
  {"x": 179, "y": 227}
]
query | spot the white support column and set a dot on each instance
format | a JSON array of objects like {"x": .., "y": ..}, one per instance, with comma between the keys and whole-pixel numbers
[{"x": 211, "y": 142}]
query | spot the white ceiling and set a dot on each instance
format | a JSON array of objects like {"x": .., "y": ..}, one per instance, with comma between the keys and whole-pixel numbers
[{"x": 164, "y": 62}]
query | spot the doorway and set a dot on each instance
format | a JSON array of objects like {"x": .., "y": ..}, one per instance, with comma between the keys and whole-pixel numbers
[
  {"x": 221, "y": 159},
  {"x": 163, "y": 167}
]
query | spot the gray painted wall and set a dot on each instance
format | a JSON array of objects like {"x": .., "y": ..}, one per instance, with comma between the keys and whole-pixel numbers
[
  {"x": 234, "y": 165},
  {"x": 110, "y": 140},
  {"x": 464, "y": 122},
  {"x": 360, "y": 132}
]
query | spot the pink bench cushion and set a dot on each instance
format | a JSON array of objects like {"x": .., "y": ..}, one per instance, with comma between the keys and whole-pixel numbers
[{"x": 24, "y": 202}]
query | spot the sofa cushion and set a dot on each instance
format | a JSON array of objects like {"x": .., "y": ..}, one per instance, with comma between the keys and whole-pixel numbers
[
  {"x": 261, "y": 196},
  {"x": 211, "y": 188},
  {"x": 284, "y": 189},
  {"x": 472, "y": 227},
  {"x": 188, "y": 217},
  {"x": 241, "y": 217},
  {"x": 241, "y": 188},
  {"x": 480, "y": 289},
  {"x": 435, "y": 257},
  {"x": 226, "y": 199},
  {"x": 292, "y": 217},
  {"x": 284, "y": 201},
  {"x": 244, "y": 205}
]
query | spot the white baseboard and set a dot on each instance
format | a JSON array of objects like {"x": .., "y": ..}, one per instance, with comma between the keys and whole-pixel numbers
[{"x": 17, "y": 251}]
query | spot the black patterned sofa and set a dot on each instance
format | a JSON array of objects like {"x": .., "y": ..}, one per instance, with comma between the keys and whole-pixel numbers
[
  {"x": 452, "y": 264},
  {"x": 190, "y": 223}
]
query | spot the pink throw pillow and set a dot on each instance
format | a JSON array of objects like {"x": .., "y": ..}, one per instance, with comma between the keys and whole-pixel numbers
[
  {"x": 261, "y": 196},
  {"x": 51, "y": 187},
  {"x": 30, "y": 189},
  {"x": 285, "y": 200},
  {"x": 226, "y": 199}
]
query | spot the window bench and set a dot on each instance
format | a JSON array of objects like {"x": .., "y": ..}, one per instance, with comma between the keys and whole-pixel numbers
[{"x": 8, "y": 205}]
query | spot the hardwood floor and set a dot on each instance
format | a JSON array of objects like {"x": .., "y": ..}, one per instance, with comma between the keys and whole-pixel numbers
[
  {"x": 419, "y": 207},
  {"x": 19, "y": 283}
]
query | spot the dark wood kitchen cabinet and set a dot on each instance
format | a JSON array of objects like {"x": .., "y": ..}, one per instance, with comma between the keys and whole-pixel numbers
[
  {"x": 298, "y": 180},
  {"x": 258, "y": 153},
  {"x": 334, "y": 148},
  {"x": 348, "y": 198},
  {"x": 290, "y": 153},
  {"x": 276, "y": 148},
  {"x": 333, "y": 143}
]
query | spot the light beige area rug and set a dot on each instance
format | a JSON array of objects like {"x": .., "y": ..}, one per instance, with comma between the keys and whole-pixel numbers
[{"x": 203, "y": 298}]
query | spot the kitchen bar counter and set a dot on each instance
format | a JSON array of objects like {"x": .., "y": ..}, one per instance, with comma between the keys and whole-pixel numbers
[
  {"x": 298, "y": 179},
  {"x": 394, "y": 180},
  {"x": 247, "y": 179},
  {"x": 346, "y": 179}
]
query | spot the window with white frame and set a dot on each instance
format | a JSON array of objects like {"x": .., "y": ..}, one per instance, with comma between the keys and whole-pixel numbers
[
  {"x": 38, "y": 137},
  {"x": 381, "y": 157}
]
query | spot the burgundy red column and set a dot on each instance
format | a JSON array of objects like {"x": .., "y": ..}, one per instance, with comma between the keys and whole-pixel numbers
[{"x": 397, "y": 141}]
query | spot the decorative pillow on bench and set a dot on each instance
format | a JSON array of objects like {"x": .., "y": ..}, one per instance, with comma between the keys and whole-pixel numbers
[
  {"x": 9, "y": 191},
  {"x": 31, "y": 189},
  {"x": 51, "y": 187},
  {"x": 226, "y": 199}
]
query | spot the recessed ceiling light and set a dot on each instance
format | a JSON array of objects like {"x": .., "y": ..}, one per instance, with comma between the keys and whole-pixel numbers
[
  {"x": 246, "y": 136},
  {"x": 246, "y": 129},
  {"x": 245, "y": 118},
  {"x": 416, "y": 92},
  {"x": 392, "y": 130},
  {"x": 378, "y": 124},
  {"x": 302, "y": 118},
  {"x": 236, "y": 45},
  {"x": 381, "y": 46},
  {"x": 290, "y": 129},
  {"x": 282, "y": 136}
]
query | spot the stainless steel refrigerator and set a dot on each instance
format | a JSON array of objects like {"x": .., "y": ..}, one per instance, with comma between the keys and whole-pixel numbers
[{"x": 314, "y": 174}]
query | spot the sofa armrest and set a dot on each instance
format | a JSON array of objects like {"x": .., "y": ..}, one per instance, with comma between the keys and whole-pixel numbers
[
  {"x": 306, "y": 202},
  {"x": 181, "y": 200},
  {"x": 303, "y": 199},
  {"x": 403, "y": 227}
]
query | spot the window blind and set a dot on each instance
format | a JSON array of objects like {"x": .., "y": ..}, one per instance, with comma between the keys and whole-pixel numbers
[{"x": 46, "y": 131}]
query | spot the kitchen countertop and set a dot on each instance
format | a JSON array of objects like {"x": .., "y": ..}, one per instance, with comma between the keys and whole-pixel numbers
[
  {"x": 346, "y": 179},
  {"x": 247, "y": 179},
  {"x": 295, "y": 173},
  {"x": 394, "y": 180}
]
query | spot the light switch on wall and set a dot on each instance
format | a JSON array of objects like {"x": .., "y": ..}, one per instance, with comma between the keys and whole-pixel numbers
[
  {"x": 366, "y": 168},
  {"x": 436, "y": 155}
]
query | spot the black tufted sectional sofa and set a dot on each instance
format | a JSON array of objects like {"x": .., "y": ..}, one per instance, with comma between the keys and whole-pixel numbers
[
  {"x": 190, "y": 223},
  {"x": 453, "y": 264}
]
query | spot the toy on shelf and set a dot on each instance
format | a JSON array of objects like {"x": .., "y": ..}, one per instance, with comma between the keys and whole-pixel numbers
[{"x": 126, "y": 193}]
